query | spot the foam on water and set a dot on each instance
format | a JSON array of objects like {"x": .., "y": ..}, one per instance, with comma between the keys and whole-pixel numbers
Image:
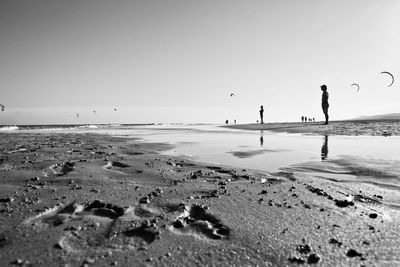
[
  {"x": 89, "y": 126},
  {"x": 9, "y": 128}
]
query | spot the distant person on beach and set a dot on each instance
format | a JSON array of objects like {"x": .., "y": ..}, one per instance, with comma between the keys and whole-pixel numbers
[
  {"x": 226, "y": 122},
  {"x": 305, "y": 119},
  {"x": 302, "y": 118},
  {"x": 262, "y": 114},
  {"x": 325, "y": 103}
]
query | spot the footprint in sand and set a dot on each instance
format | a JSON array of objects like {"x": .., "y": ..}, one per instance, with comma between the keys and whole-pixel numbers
[
  {"x": 62, "y": 169},
  {"x": 74, "y": 211},
  {"x": 197, "y": 222},
  {"x": 98, "y": 225},
  {"x": 147, "y": 232}
]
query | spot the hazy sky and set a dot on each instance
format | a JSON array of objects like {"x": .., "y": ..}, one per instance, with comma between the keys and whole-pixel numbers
[{"x": 178, "y": 60}]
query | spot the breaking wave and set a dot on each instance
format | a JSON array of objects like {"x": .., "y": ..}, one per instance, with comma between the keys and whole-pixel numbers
[{"x": 9, "y": 128}]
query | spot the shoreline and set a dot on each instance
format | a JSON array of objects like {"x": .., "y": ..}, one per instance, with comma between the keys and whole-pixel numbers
[
  {"x": 101, "y": 200},
  {"x": 352, "y": 128}
]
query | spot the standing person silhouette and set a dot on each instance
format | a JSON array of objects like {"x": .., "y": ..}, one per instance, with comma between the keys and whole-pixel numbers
[
  {"x": 262, "y": 114},
  {"x": 325, "y": 103}
]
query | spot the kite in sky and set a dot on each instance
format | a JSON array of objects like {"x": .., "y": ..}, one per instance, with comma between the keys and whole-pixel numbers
[
  {"x": 386, "y": 72},
  {"x": 355, "y": 84}
]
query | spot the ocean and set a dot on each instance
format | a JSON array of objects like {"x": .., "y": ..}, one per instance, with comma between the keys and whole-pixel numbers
[{"x": 373, "y": 160}]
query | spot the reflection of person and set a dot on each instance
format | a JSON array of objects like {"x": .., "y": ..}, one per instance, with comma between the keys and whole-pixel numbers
[
  {"x": 324, "y": 149},
  {"x": 325, "y": 104},
  {"x": 262, "y": 114},
  {"x": 261, "y": 138}
]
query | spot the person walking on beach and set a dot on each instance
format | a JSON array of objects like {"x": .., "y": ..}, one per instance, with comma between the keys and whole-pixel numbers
[
  {"x": 262, "y": 114},
  {"x": 325, "y": 103},
  {"x": 302, "y": 118}
]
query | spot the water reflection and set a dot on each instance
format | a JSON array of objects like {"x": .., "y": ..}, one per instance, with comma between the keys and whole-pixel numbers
[
  {"x": 324, "y": 149},
  {"x": 262, "y": 138}
]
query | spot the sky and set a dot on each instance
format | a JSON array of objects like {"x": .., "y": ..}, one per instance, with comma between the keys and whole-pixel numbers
[{"x": 178, "y": 60}]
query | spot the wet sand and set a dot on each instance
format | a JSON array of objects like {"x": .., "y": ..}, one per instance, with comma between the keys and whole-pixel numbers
[
  {"x": 87, "y": 199},
  {"x": 352, "y": 128}
]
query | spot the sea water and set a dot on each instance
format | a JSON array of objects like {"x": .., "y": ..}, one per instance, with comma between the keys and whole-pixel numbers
[{"x": 364, "y": 159}]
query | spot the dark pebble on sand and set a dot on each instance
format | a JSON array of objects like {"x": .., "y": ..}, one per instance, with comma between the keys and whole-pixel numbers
[
  {"x": 353, "y": 253},
  {"x": 313, "y": 258},
  {"x": 178, "y": 223},
  {"x": 343, "y": 203},
  {"x": 58, "y": 246},
  {"x": 373, "y": 215},
  {"x": 263, "y": 192},
  {"x": 18, "y": 262},
  {"x": 7, "y": 199},
  {"x": 144, "y": 200},
  {"x": 194, "y": 176}
]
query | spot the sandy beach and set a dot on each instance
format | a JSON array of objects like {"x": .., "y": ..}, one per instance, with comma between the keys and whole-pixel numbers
[
  {"x": 97, "y": 200},
  {"x": 199, "y": 133}
]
